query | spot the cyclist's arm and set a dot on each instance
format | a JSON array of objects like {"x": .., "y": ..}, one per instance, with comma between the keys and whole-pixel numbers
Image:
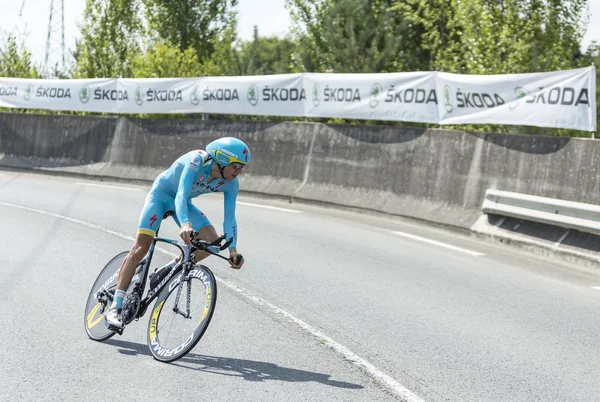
[
  {"x": 186, "y": 181},
  {"x": 230, "y": 224}
]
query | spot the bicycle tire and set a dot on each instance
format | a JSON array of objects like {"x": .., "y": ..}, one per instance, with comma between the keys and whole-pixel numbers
[
  {"x": 158, "y": 346},
  {"x": 93, "y": 318}
]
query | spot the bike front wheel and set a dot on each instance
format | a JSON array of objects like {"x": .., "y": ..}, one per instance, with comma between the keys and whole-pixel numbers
[
  {"x": 176, "y": 327},
  {"x": 97, "y": 303}
]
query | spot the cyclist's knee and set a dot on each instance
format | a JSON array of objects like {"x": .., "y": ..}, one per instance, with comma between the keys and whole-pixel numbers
[{"x": 207, "y": 233}]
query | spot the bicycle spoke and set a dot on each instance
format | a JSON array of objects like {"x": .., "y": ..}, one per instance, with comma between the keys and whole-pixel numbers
[{"x": 178, "y": 327}]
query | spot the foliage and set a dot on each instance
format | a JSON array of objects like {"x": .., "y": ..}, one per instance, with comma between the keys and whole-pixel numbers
[
  {"x": 497, "y": 36},
  {"x": 164, "y": 61},
  {"x": 15, "y": 60},
  {"x": 263, "y": 56},
  {"x": 110, "y": 38},
  {"x": 358, "y": 36},
  {"x": 188, "y": 24}
]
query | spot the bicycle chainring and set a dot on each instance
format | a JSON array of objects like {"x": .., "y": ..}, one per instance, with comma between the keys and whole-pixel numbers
[{"x": 131, "y": 306}]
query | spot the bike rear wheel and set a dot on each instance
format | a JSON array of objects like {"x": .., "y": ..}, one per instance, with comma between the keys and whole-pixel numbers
[
  {"x": 97, "y": 307},
  {"x": 171, "y": 335}
]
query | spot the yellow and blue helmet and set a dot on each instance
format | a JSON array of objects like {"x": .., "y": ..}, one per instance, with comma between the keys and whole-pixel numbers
[{"x": 228, "y": 150}]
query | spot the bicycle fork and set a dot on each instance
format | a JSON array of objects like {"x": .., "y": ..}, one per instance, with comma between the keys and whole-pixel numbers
[{"x": 176, "y": 309}]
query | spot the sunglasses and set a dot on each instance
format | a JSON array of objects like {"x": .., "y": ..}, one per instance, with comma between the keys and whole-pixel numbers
[{"x": 237, "y": 165}]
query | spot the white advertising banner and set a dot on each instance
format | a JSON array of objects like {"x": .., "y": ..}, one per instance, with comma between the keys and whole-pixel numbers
[
  {"x": 265, "y": 95},
  {"x": 563, "y": 99},
  {"x": 396, "y": 96}
]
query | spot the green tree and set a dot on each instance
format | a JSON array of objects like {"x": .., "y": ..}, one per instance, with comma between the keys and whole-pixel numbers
[
  {"x": 498, "y": 36},
  {"x": 190, "y": 23},
  {"x": 222, "y": 59},
  {"x": 560, "y": 35},
  {"x": 110, "y": 38},
  {"x": 262, "y": 56},
  {"x": 164, "y": 61},
  {"x": 15, "y": 60},
  {"x": 360, "y": 36}
]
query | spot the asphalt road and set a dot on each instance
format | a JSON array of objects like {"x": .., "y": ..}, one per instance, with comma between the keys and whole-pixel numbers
[{"x": 330, "y": 306}]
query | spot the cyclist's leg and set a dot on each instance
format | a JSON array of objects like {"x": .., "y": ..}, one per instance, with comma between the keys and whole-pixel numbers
[
  {"x": 150, "y": 220},
  {"x": 206, "y": 231}
]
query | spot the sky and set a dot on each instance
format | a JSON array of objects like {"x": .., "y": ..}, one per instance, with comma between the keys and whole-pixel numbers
[{"x": 271, "y": 17}]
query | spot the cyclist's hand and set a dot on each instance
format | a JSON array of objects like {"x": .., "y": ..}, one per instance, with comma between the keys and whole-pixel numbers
[
  {"x": 186, "y": 233},
  {"x": 236, "y": 260}
]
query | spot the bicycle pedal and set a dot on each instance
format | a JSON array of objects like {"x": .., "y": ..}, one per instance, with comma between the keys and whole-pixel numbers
[{"x": 116, "y": 329}]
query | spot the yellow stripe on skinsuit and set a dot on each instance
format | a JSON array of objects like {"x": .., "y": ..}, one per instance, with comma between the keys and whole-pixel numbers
[{"x": 146, "y": 232}]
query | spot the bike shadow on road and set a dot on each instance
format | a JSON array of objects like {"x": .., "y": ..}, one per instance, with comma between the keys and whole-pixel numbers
[{"x": 249, "y": 370}]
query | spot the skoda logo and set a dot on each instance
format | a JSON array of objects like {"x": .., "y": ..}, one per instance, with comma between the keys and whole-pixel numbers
[
  {"x": 28, "y": 92},
  {"x": 84, "y": 94},
  {"x": 138, "y": 96},
  {"x": 195, "y": 96},
  {"x": 253, "y": 95},
  {"x": 375, "y": 92},
  {"x": 520, "y": 93},
  {"x": 448, "y": 99},
  {"x": 316, "y": 94}
]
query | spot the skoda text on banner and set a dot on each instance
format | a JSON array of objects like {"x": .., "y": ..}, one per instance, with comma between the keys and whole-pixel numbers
[
  {"x": 267, "y": 95},
  {"x": 84, "y": 95},
  {"x": 396, "y": 96},
  {"x": 562, "y": 99}
]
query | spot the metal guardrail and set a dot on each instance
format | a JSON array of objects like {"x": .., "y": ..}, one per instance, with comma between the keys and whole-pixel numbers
[{"x": 552, "y": 211}]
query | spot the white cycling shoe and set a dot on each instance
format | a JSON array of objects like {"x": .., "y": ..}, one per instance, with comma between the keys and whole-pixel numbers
[{"x": 114, "y": 318}]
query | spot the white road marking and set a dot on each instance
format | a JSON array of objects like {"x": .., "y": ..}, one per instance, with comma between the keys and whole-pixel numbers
[
  {"x": 109, "y": 186},
  {"x": 269, "y": 207},
  {"x": 596, "y": 287},
  {"x": 562, "y": 238},
  {"x": 437, "y": 243},
  {"x": 389, "y": 382},
  {"x": 352, "y": 357},
  {"x": 79, "y": 222}
]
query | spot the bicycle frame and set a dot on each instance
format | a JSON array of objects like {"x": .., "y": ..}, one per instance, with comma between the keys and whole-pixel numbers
[
  {"x": 184, "y": 264},
  {"x": 153, "y": 293}
]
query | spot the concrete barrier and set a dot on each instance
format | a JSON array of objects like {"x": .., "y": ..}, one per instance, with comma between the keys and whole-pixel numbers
[
  {"x": 434, "y": 175},
  {"x": 54, "y": 141}
]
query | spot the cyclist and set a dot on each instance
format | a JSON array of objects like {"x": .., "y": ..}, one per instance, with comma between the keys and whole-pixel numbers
[{"x": 194, "y": 173}]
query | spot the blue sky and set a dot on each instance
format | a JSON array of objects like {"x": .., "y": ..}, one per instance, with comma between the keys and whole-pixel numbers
[{"x": 270, "y": 15}]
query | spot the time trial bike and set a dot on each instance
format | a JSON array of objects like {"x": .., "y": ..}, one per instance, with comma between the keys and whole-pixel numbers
[{"x": 185, "y": 295}]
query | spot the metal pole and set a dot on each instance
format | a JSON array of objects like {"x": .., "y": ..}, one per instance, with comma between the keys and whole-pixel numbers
[{"x": 593, "y": 80}]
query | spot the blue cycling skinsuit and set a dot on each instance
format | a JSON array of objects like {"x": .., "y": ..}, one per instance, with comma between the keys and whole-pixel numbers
[{"x": 174, "y": 189}]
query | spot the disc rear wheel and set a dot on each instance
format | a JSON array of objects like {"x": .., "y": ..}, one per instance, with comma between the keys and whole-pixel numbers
[{"x": 100, "y": 298}]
